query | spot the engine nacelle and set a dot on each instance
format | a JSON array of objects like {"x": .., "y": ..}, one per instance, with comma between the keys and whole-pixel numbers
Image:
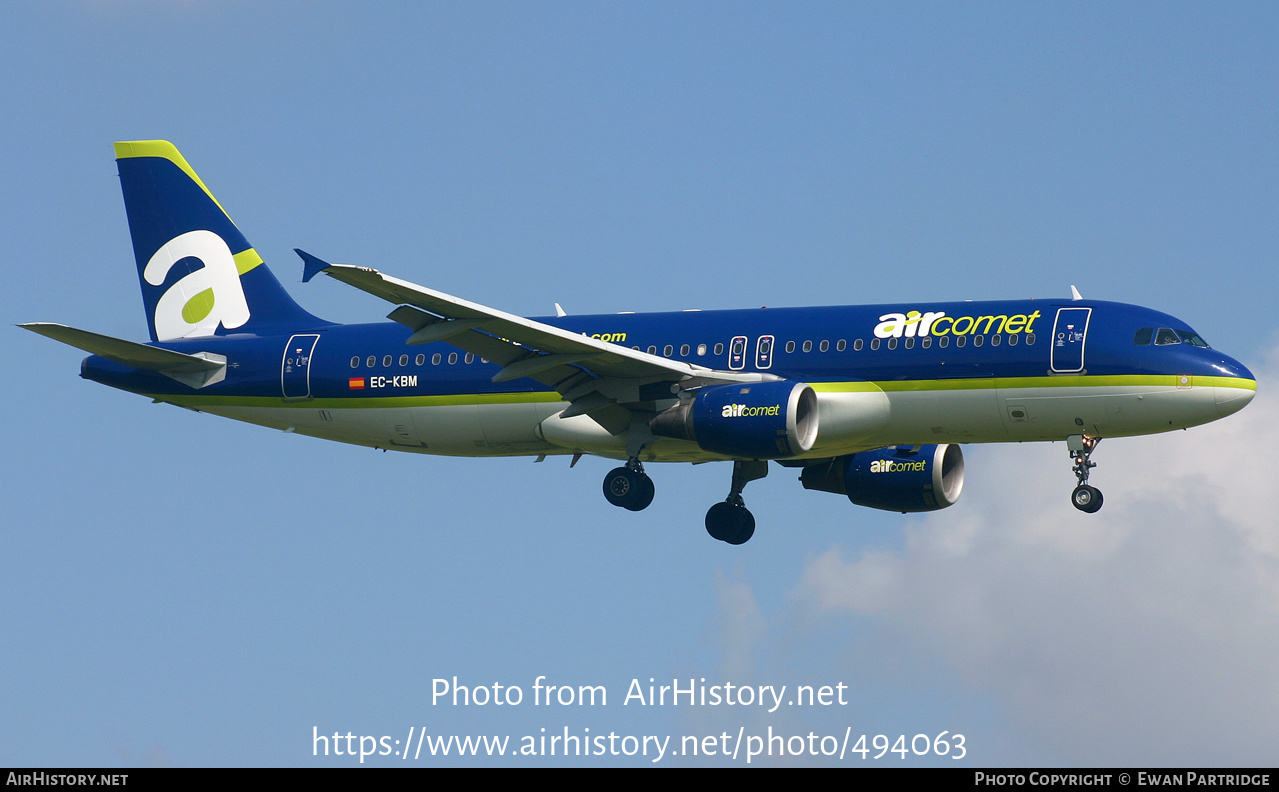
[
  {"x": 757, "y": 420},
  {"x": 902, "y": 479}
]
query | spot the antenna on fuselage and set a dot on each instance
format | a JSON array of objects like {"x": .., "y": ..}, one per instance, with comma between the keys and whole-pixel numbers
[
  {"x": 1074, "y": 293},
  {"x": 561, "y": 312}
]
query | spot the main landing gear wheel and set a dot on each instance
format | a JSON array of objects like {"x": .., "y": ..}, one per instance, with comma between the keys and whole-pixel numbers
[
  {"x": 629, "y": 489},
  {"x": 730, "y": 522},
  {"x": 1086, "y": 498}
]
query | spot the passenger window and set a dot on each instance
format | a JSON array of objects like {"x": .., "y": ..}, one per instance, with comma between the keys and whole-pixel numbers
[
  {"x": 808, "y": 346},
  {"x": 719, "y": 349},
  {"x": 978, "y": 340},
  {"x": 1012, "y": 339},
  {"x": 1166, "y": 337},
  {"x": 926, "y": 342},
  {"x": 470, "y": 357},
  {"x": 404, "y": 360},
  {"x": 943, "y": 342},
  {"x": 419, "y": 360},
  {"x": 857, "y": 345},
  {"x": 874, "y": 343},
  {"x": 683, "y": 350},
  {"x": 355, "y": 362},
  {"x": 1143, "y": 336},
  {"x": 790, "y": 346},
  {"x": 960, "y": 341},
  {"x": 386, "y": 361},
  {"x": 995, "y": 339},
  {"x": 910, "y": 343},
  {"x": 1030, "y": 339},
  {"x": 841, "y": 345},
  {"x": 652, "y": 350},
  {"x": 452, "y": 358},
  {"x": 824, "y": 346},
  {"x": 701, "y": 350},
  {"x": 667, "y": 350},
  {"x": 371, "y": 362},
  {"x": 435, "y": 359}
]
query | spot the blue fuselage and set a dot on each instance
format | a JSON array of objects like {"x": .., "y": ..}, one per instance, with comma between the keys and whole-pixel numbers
[{"x": 947, "y": 372}]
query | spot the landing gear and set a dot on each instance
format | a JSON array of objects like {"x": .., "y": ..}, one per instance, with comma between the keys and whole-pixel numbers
[
  {"x": 629, "y": 487},
  {"x": 1086, "y": 498},
  {"x": 731, "y": 521}
]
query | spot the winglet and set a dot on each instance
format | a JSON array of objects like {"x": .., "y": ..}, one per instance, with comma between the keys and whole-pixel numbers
[{"x": 311, "y": 266}]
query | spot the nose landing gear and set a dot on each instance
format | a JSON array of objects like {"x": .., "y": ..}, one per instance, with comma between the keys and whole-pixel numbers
[{"x": 1085, "y": 498}]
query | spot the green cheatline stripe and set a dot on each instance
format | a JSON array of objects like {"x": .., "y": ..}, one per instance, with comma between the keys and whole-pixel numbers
[{"x": 974, "y": 383}]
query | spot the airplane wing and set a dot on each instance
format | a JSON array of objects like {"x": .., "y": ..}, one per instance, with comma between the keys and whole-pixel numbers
[{"x": 600, "y": 379}]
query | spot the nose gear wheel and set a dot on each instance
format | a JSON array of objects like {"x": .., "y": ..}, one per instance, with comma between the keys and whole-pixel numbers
[{"x": 1086, "y": 498}]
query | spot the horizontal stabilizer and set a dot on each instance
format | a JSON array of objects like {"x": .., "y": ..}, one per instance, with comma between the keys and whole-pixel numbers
[{"x": 195, "y": 371}]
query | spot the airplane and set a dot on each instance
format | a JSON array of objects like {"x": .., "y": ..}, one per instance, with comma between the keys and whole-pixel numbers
[{"x": 871, "y": 402}]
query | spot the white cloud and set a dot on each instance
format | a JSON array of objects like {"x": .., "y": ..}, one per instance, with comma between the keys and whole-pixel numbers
[
  {"x": 741, "y": 626},
  {"x": 1145, "y": 634}
]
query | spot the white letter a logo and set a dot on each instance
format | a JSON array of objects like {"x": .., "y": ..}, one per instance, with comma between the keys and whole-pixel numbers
[{"x": 200, "y": 301}]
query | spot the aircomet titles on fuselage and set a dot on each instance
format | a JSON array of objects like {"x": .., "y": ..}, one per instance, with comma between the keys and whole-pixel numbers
[{"x": 914, "y": 324}]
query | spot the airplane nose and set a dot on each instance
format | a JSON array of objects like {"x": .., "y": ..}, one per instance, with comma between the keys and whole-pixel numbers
[{"x": 1231, "y": 400}]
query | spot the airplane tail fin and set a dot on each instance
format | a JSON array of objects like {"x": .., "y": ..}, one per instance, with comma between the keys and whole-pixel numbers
[{"x": 199, "y": 275}]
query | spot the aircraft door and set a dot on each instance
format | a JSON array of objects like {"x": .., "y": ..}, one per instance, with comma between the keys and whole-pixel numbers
[
  {"x": 1069, "y": 332},
  {"x": 295, "y": 366}
]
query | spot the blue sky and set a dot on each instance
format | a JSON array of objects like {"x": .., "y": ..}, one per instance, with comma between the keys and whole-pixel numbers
[{"x": 185, "y": 590}]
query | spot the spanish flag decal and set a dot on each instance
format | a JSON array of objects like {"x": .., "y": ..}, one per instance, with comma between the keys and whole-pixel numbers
[{"x": 355, "y": 383}]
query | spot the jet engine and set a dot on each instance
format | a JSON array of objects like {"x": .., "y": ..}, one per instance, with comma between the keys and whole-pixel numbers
[
  {"x": 757, "y": 420},
  {"x": 902, "y": 479}
]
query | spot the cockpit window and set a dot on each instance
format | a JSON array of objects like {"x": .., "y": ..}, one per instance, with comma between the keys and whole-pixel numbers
[
  {"x": 1193, "y": 339},
  {"x": 1167, "y": 337},
  {"x": 1143, "y": 336}
]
